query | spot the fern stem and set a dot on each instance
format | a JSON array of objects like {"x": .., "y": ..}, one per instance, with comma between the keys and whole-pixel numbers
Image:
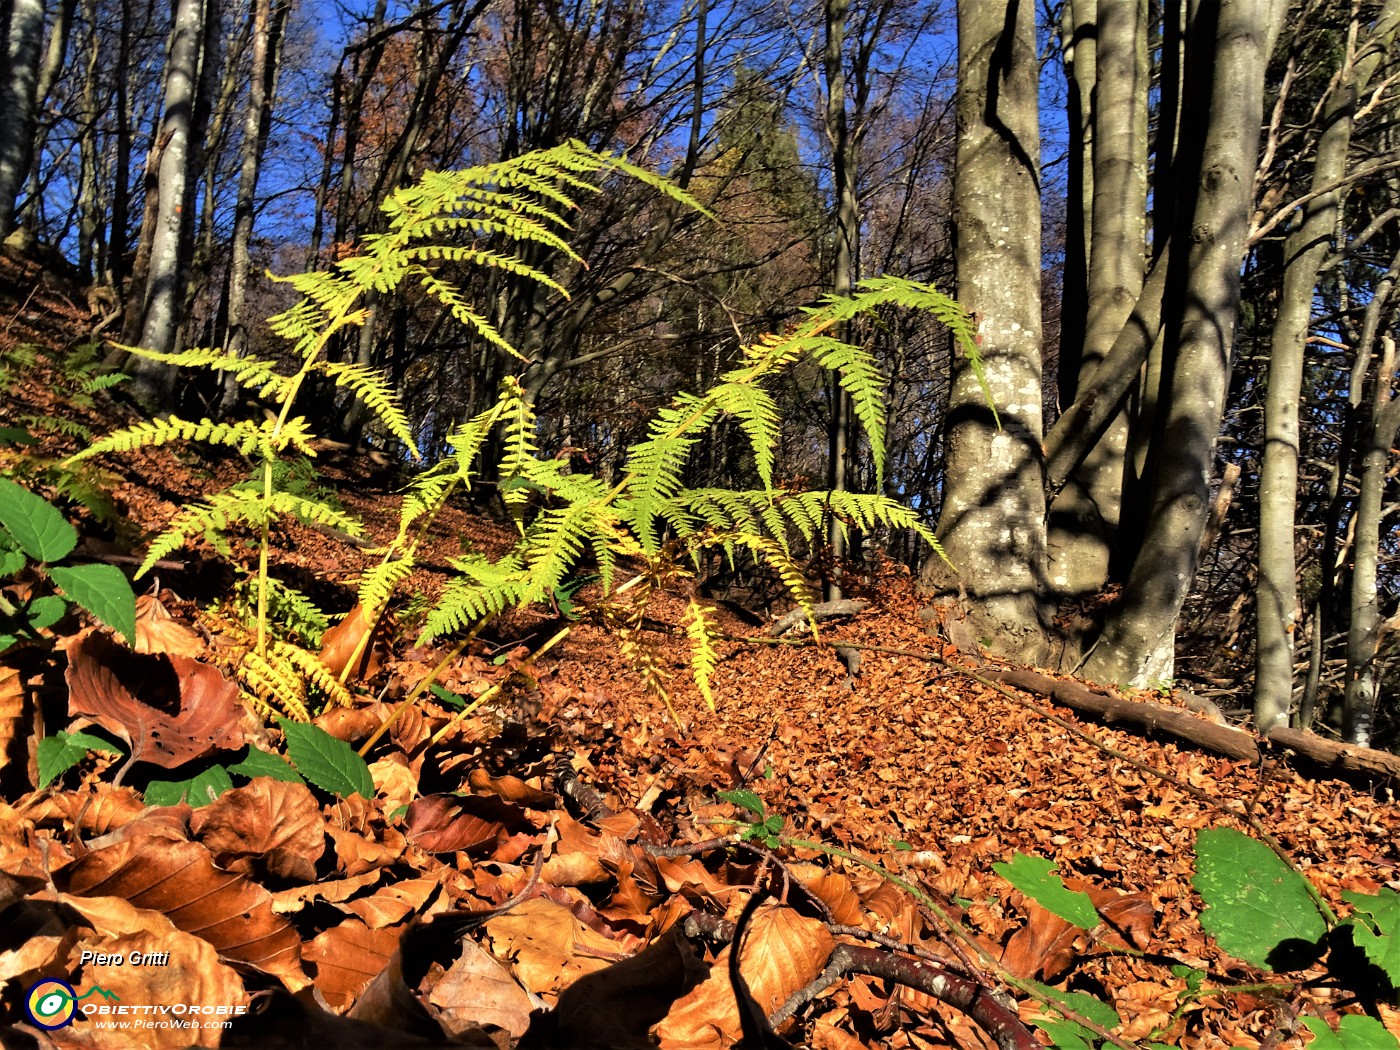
[
  {"x": 418, "y": 690},
  {"x": 490, "y": 693}
]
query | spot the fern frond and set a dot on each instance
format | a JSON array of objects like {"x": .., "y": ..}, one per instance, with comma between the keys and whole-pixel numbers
[
  {"x": 275, "y": 683},
  {"x": 292, "y": 609},
  {"x": 314, "y": 672},
  {"x": 248, "y": 372},
  {"x": 313, "y": 512},
  {"x": 211, "y": 518},
  {"x": 450, "y": 297},
  {"x": 243, "y": 435},
  {"x": 374, "y": 392},
  {"x": 703, "y": 634},
  {"x": 378, "y": 583}
]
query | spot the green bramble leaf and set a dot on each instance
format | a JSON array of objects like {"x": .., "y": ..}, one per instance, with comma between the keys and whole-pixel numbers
[
  {"x": 259, "y": 763},
  {"x": 1355, "y": 1032},
  {"x": 745, "y": 800},
  {"x": 1033, "y": 877},
  {"x": 1375, "y": 929},
  {"x": 199, "y": 790},
  {"x": 455, "y": 701},
  {"x": 34, "y": 524},
  {"x": 331, "y": 764},
  {"x": 59, "y": 753},
  {"x": 102, "y": 590},
  {"x": 1257, "y": 907}
]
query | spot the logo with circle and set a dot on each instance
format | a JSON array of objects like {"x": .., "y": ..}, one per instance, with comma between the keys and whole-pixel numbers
[{"x": 51, "y": 1004}]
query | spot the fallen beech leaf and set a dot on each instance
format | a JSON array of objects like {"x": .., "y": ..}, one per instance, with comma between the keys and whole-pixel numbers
[
  {"x": 394, "y": 781},
  {"x": 783, "y": 952},
  {"x": 1046, "y": 945},
  {"x": 392, "y": 904},
  {"x": 14, "y": 734},
  {"x": 354, "y": 725},
  {"x": 548, "y": 945},
  {"x": 187, "y": 710},
  {"x": 617, "y": 1006},
  {"x": 339, "y": 643},
  {"x": 265, "y": 817},
  {"x": 159, "y": 632},
  {"x": 835, "y": 891},
  {"x": 478, "y": 991},
  {"x": 191, "y": 972},
  {"x": 332, "y": 891},
  {"x": 512, "y": 789},
  {"x": 359, "y": 854},
  {"x": 347, "y": 957},
  {"x": 462, "y": 824},
  {"x": 179, "y": 880}
]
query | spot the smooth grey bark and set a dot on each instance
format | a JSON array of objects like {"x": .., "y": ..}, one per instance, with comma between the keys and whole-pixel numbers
[
  {"x": 24, "y": 37},
  {"x": 1084, "y": 517},
  {"x": 1079, "y": 52},
  {"x": 1233, "y": 40},
  {"x": 1363, "y": 632},
  {"x": 174, "y": 157},
  {"x": 843, "y": 277},
  {"x": 1378, "y": 423},
  {"x": 266, "y": 43},
  {"x": 1304, "y": 250},
  {"x": 993, "y": 520}
]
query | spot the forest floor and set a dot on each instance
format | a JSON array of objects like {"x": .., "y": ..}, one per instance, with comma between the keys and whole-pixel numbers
[{"x": 578, "y": 793}]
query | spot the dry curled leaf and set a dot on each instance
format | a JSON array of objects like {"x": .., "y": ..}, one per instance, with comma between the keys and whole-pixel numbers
[{"x": 168, "y": 709}]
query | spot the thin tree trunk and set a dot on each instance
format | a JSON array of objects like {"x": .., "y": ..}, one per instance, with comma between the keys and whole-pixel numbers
[
  {"x": 1377, "y": 426},
  {"x": 175, "y": 158},
  {"x": 1084, "y": 517},
  {"x": 1233, "y": 39},
  {"x": 847, "y": 230},
  {"x": 1304, "y": 250},
  {"x": 91, "y": 256},
  {"x": 24, "y": 34},
  {"x": 1079, "y": 44},
  {"x": 268, "y": 26}
]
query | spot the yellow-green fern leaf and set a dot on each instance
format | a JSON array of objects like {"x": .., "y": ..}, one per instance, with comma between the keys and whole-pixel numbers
[{"x": 703, "y": 634}]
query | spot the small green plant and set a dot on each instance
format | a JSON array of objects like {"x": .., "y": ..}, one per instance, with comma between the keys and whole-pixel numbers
[
  {"x": 35, "y": 537},
  {"x": 1259, "y": 908}
]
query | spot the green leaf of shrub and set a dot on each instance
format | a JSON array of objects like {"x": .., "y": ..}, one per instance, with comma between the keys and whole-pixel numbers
[
  {"x": 1257, "y": 907},
  {"x": 198, "y": 790},
  {"x": 59, "y": 753},
  {"x": 455, "y": 701},
  {"x": 1032, "y": 876},
  {"x": 1376, "y": 929},
  {"x": 102, "y": 590},
  {"x": 45, "y": 611},
  {"x": 1356, "y": 1032},
  {"x": 259, "y": 763},
  {"x": 1071, "y": 1035},
  {"x": 745, "y": 800},
  {"x": 331, "y": 764},
  {"x": 35, "y": 524}
]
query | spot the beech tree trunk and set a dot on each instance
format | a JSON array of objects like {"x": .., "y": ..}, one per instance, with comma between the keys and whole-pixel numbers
[
  {"x": 843, "y": 277},
  {"x": 1304, "y": 250},
  {"x": 993, "y": 520},
  {"x": 1084, "y": 517},
  {"x": 1228, "y": 48},
  {"x": 23, "y": 35},
  {"x": 174, "y": 157}
]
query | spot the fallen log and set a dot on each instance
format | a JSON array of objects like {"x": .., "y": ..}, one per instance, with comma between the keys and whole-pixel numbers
[
  {"x": 1220, "y": 739},
  {"x": 822, "y": 611}
]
